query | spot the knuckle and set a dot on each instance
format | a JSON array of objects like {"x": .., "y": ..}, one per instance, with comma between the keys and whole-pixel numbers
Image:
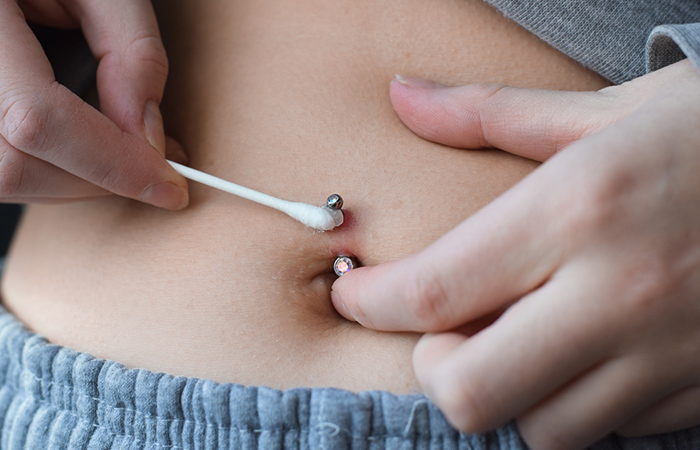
[
  {"x": 599, "y": 206},
  {"x": 149, "y": 49},
  {"x": 648, "y": 282},
  {"x": 496, "y": 96},
  {"x": 490, "y": 114},
  {"x": 462, "y": 401},
  {"x": 427, "y": 301},
  {"x": 24, "y": 124},
  {"x": 11, "y": 173},
  {"x": 602, "y": 214}
]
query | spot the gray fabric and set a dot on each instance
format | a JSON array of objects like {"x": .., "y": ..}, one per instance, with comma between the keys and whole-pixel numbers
[
  {"x": 52, "y": 397},
  {"x": 671, "y": 43},
  {"x": 55, "y": 398},
  {"x": 608, "y": 37}
]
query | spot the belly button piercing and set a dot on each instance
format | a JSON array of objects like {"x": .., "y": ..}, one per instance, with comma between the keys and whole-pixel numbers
[
  {"x": 334, "y": 201},
  {"x": 323, "y": 218},
  {"x": 334, "y": 205},
  {"x": 343, "y": 265}
]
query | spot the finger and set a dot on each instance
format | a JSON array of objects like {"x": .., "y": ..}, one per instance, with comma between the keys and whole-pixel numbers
[
  {"x": 501, "y": 253},
  {"x": 676, "y": 412},
  {"x": 45, "y": 120},
  {"x": 24, "y": 177},
  {"x": 538, "y": 345},
  {"x": 175, "y": 152},
  {"x": 133, "y": 67},
  {"x": 51, "y": 13},
  {"x": 431, "y": 348},
  {"x": 528, "y": 122},
  {"x": 591, "y": 407}
]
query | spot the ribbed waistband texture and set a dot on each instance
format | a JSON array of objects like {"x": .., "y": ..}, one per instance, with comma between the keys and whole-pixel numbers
[{"x": 52, "y": 397}]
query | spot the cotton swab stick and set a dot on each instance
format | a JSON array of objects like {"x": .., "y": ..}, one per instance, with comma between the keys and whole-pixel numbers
[{"x": 320, "y": 218}]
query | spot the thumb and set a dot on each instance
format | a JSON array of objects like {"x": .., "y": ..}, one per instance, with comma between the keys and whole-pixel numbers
[
  {"x": 484, "y": 264},
  {"x": 532, "y": 123}
]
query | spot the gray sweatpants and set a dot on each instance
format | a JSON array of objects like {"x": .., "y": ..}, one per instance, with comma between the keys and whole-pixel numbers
[{"x": 52, "y": 397}]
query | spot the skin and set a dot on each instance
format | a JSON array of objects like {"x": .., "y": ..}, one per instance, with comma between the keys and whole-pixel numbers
[
  {"x": 284, "y": 90},
  {"x": 40, "y": 119},
  {"x": 584, "y": 278},
  {"x": 598, "y": 314},
  {"x": 289, "y": 98}
]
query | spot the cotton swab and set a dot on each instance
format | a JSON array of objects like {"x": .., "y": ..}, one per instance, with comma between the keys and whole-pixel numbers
[{"x": 320, "y": 218}]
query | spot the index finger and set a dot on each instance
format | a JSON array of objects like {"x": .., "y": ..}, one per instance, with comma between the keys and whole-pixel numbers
[
  {"x": 133, "y": 67},
  {"x": 490, "y": 260},
  {"x": 44, "y": 119}
]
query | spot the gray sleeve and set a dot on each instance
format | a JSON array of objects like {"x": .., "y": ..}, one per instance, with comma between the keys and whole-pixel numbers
[
  {"x": 609, "y": 37},
  {"x": 668, "y": 44}
]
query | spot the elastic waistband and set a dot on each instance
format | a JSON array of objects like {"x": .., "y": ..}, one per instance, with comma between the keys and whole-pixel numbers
[{"x": 54, "y": 397}]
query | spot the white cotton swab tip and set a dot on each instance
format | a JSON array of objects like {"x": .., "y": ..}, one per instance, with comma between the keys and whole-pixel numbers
[
  {"x": 316, "y": 217},
  {"x": 319, "y": 218}
]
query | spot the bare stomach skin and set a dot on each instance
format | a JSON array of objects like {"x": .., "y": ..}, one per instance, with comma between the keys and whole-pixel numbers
[{"x": 290, "y": 98}]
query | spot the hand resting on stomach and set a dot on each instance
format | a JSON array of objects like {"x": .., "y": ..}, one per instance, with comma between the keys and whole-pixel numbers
[{"x": 289, "y": 98}]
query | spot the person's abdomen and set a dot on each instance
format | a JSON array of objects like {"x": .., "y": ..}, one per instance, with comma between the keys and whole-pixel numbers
[{"x": 290, "y": 98}]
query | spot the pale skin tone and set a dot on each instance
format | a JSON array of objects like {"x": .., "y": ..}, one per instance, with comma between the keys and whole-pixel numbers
[
  {"x": 594, "y": 257},
  {"x": 123, "y": 252},
  {"x": 173, "y": 292},
  {"x": 40, "y": 119}
]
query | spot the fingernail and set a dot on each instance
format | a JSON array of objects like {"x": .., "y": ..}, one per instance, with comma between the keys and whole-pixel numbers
[
  {"x": 418, "y": 82},
  {"x": 165, "y": 194},
  {"x": 153, "y": 125}
]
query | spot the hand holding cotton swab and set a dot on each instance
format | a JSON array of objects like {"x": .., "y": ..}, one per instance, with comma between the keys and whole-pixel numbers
[{"x": 321, "y": 218}]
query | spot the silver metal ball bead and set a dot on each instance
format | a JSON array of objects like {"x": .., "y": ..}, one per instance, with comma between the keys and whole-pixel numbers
[{"x": 335, "y": 201}]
